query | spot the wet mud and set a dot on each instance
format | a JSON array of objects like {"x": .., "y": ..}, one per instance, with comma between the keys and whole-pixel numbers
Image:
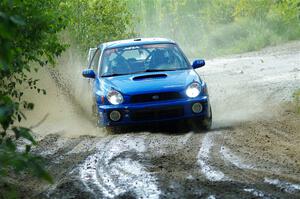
[{"x": 252, "y": 151}]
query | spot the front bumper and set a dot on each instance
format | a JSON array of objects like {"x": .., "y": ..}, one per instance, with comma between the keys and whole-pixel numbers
[{"x": 156, "y": 111}]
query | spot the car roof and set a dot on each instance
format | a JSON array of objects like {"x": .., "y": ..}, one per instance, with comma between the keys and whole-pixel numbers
[{"x": 134, "y": 42}]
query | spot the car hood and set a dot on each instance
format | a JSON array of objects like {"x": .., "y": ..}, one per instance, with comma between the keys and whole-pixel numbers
[{"x": 151, "y": 82}]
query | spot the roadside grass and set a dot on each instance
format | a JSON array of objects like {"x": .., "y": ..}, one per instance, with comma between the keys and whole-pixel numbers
[
  {"x": 296, "y": 97},
  {"x": 247, "y": 35}
]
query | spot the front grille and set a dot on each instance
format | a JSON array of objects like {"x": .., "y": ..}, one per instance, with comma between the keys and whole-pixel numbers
[
  {"x": 157, "y": 114},
  {"x": 154, "y": 97}
]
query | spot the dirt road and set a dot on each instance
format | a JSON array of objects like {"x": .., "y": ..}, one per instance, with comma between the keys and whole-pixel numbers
[{"x": 253, "y": 150}]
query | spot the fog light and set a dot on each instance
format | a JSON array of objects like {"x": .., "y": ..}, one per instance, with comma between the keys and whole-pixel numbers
[
  {"x": 197, "y": 108},
  {"x": 115, "y": 116}
]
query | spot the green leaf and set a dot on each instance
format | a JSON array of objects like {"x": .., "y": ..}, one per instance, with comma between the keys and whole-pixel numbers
[
  {"x": 24, "y": 133},
  {"x": 28, "y": 148},
  {"x": 38, "y": 170},
  {"x": 19, "y": 117},
  {"x": 17, "y": 20},
  {"x": 10, "y": 144}
]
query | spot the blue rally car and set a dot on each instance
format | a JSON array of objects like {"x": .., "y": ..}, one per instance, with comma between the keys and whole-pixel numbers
[{"x": 146, "y": 80}]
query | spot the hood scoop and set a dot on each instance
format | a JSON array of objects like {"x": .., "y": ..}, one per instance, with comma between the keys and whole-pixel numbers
[{"x": 152, "y": 76}]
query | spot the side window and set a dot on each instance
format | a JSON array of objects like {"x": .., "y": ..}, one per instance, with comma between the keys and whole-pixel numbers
[
  {"x": 95, "y": 60},
  {"x": 90, "y": 55}
]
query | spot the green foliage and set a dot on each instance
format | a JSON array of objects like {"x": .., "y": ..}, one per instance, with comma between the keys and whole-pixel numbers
[
  {"x": 28, "y": 34},
  {"x": 296, "y": 97},
  {"x": 29, "y": 40},
  {"x": 218, "y": 27},
  {"x": 94, "y": 22},
  {"x": 255, "y": 8},
  {"x": 219, "y": 12},
  {"x": 12, "y": 158},
  {"x": 38, "y": 41}
]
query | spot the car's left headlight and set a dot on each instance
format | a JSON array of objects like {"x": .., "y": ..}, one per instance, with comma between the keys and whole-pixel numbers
[
  {"x": 115, "y": 97},
  {"x": 193, "y": 90}
]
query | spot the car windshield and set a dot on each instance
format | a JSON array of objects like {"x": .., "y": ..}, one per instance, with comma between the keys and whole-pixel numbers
[{"x": 142, "y": 58}]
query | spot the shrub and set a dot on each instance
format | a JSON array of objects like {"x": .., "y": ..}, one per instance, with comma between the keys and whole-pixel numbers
[{"x": 28, "y": 34}]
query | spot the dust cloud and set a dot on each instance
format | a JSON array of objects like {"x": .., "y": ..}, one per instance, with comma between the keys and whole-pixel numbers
[
  {"x": 245, "y": 87},
  {"x": 66, "y": 108},
  {"x": 252, "y": 86},
  {"x": 256, "y": 156}
]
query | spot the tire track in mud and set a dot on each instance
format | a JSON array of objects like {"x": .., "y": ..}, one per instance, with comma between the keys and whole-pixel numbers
[
  {"x": 219, "y": 163},
  {"x": 115, "y": 170},
  {"x": 134, "y": 166},
  {"x": 209, "y": 171},
  {"x": 148, "y": 165},
  {"x": 122, "y": 168}
]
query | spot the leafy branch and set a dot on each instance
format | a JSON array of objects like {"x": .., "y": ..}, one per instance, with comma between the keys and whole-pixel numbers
[{"x": 28, "y": 40}]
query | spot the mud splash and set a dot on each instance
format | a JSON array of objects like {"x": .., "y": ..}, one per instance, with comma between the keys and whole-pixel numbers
[
  {"x": 252, "y": 152},
  {"x": 66, "y": 109}
]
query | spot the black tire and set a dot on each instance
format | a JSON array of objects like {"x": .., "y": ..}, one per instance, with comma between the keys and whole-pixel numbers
[
  {"x": 203, "y": 124},
  {"x": 113, "y": 129}
]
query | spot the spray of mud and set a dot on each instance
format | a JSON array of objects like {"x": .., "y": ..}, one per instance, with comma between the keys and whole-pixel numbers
[
  {"x": 242, "y": 88},
  {"x": 66, "y": 109},
  {"x": 257, "y": 158},
  {"x": 252, "y": 86}
]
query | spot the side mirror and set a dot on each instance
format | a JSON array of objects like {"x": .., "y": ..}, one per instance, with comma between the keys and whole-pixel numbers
[
  {"x": 88, "y": 73},
  {"x": 198, "y": 63}
]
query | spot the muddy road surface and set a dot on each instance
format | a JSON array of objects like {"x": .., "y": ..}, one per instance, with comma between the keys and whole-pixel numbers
[{"x": 252, "y": 151}]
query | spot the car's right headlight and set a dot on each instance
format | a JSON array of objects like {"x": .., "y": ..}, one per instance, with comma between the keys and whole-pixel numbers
[
  {"x": 115, "y": 97},
  {"x": 193, "y": 90}
]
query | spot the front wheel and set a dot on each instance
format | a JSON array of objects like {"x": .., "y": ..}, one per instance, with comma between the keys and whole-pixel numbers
[
  {"x": 203, "y": 123},
  {"x": 114, "y": 129}
]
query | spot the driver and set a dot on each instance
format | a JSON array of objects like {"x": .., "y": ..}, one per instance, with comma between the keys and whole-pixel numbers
[
  {"x": 119, "y": 65},
  {"x": 160, "y": 58}
]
